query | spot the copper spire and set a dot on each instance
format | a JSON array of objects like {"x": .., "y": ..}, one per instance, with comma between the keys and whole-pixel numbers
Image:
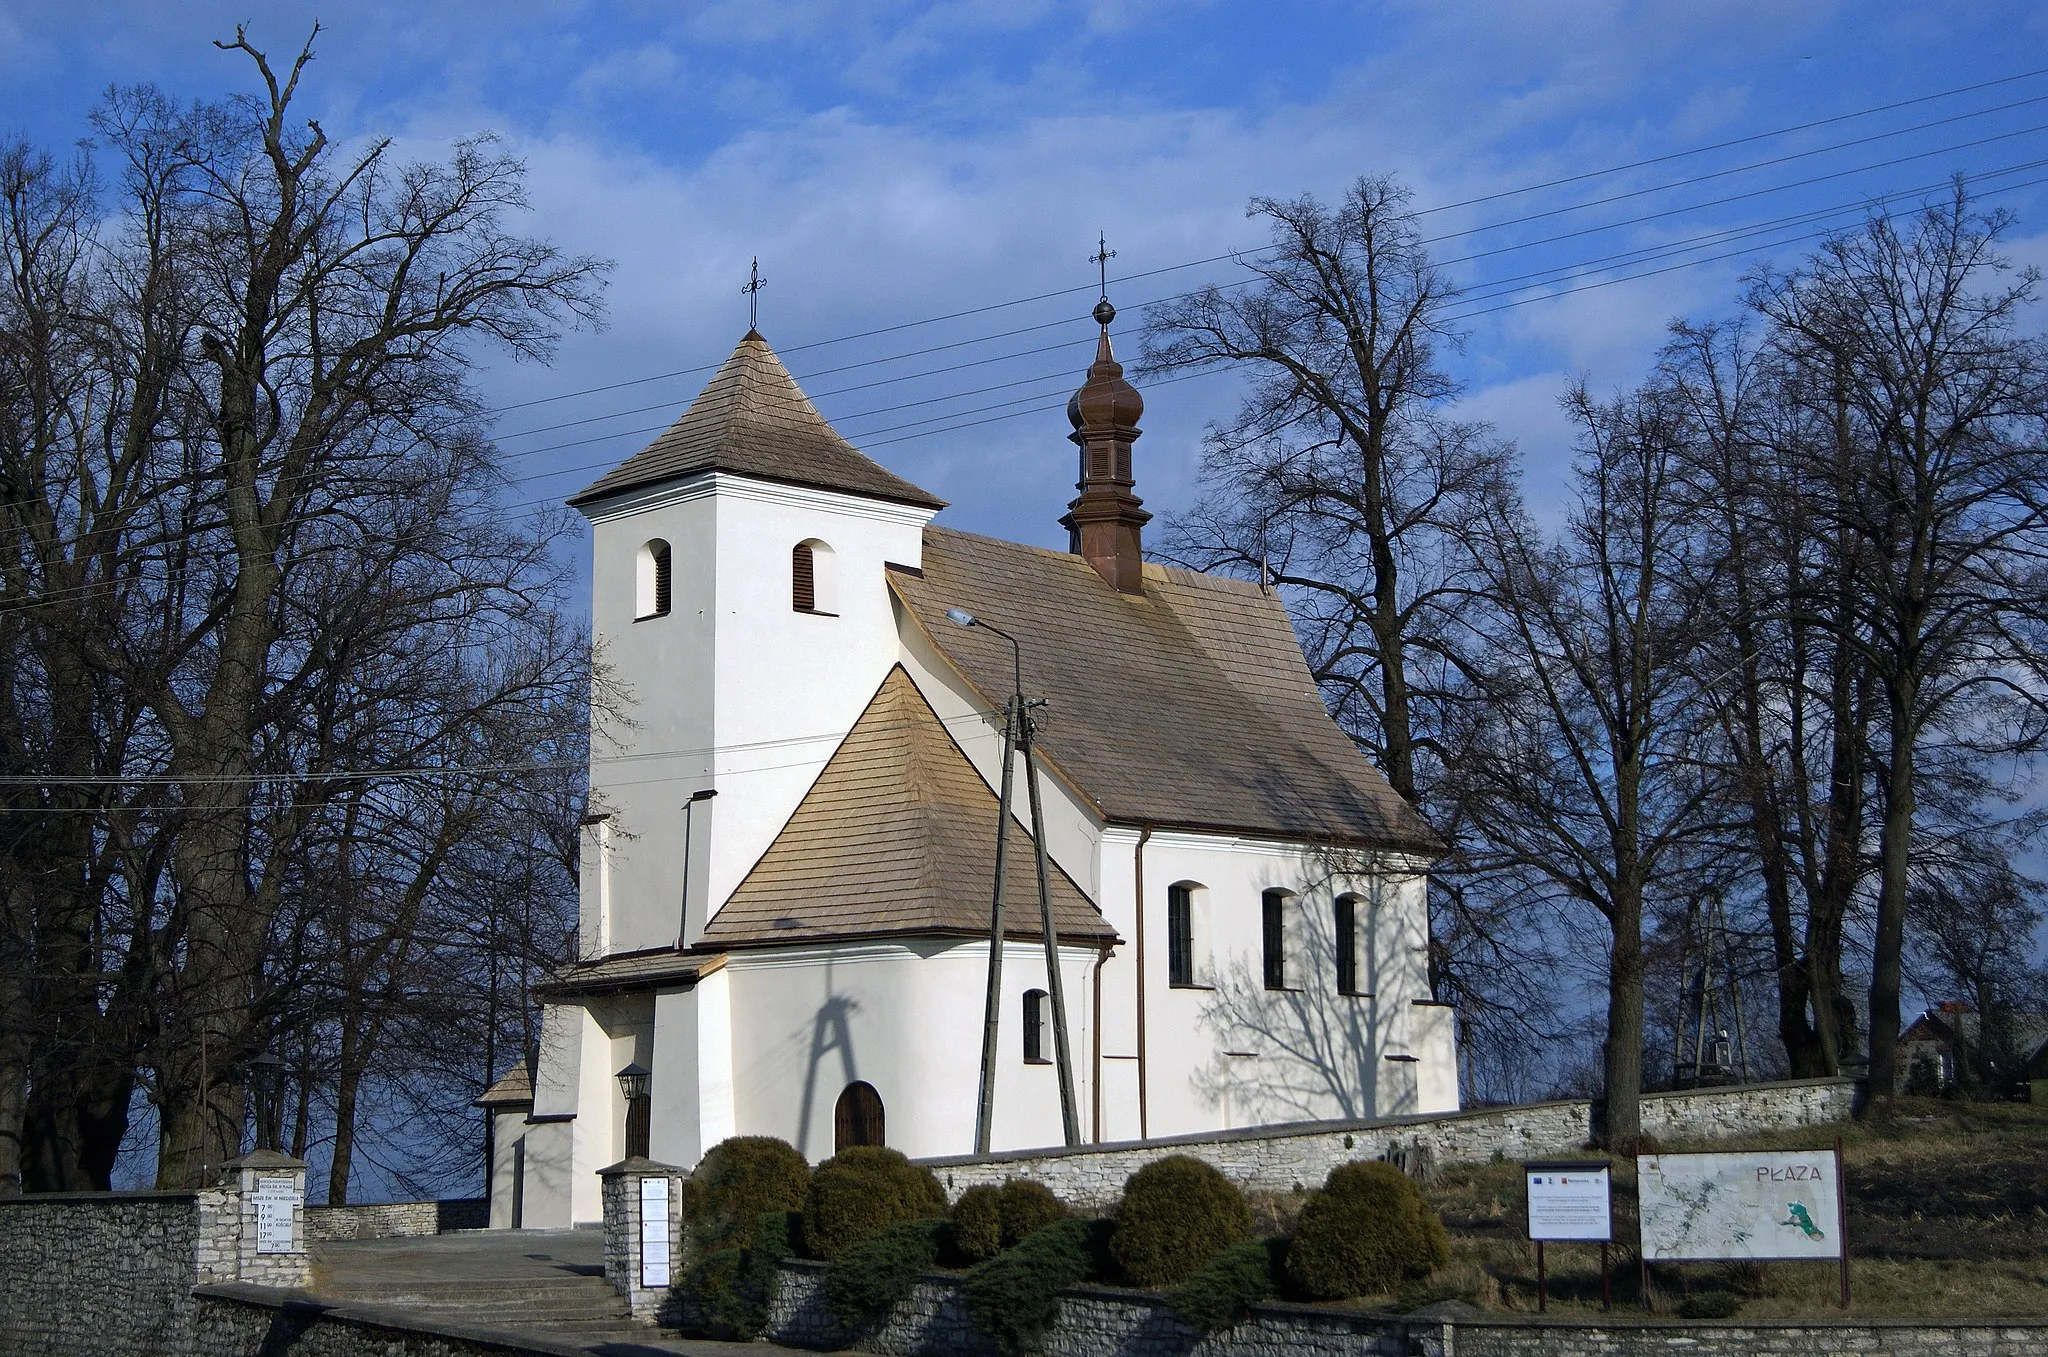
[{"x": 1104, "y": 522}]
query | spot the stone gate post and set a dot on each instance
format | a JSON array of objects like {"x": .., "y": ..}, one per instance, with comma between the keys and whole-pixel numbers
[
  {"x": 252, "y": 1223},
  {"x": 643, "y": 1232}
]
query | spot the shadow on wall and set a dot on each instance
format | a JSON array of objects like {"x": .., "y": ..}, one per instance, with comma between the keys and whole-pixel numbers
[
  {"x": 1307, "y": 1052},
  {"x": 831, "y": 1033}
]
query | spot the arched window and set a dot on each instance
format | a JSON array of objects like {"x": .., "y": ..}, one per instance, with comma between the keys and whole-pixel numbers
[
  {"x": 651, "y": 587},
  {"x": 1037, "y": 1027},
  {"x": 810, "y": 579},
  {"x": 1347, "y": 944},
  {"x": 1180, "y": 935},
  {"x": 857, "y": 1118},
  {"x": 1273, "y": 911}
]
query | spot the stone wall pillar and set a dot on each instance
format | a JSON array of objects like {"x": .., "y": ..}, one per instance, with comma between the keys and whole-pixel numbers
[
  {"x": 252, "y": 1223},
  {"x": 627, "y": 1255}
]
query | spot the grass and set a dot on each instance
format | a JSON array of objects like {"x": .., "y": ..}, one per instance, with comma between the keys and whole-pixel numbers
[{"x": 1948, "y": 1217}]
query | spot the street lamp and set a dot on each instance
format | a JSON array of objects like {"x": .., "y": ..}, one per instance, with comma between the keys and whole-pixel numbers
[
  {"x": 633, "y": 1082},
  {"x": 1017, "y": 733},
  {"x": 266, "y": 1076}
]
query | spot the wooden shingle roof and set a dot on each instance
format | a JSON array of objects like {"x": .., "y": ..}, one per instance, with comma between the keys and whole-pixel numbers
[
  {"x": 1186, "y": 706},
  {"x": 753, "y": 420},
  {"x": 896, "y": 838}
]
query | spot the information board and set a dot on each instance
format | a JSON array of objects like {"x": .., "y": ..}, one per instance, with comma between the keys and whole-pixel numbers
[
  {"x": 1569, "y": 1201},
  {"x": 277, "y": 1199},
  {"x": 1775, "y": 1204},
  {"x": 654, "y": 1232}
]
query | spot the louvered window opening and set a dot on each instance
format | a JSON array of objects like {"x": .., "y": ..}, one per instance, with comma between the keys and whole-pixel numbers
[
  {"x": 661, "y": 579},
  {"x": 803, "y": 579},
  {"x": 1035, "y": 1005},
  {"x": 1180, "y": 936},
  {"x": 1347, "y": 944},
  {"x": 1273, "y": 911}
]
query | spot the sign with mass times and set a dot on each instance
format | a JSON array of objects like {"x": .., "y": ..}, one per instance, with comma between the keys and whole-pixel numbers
[{"x": 1569, "y": 1201}]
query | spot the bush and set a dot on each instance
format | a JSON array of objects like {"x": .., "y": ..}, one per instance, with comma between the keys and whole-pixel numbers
[
  {"x": 978, "y": 1223},
  {"x": 859, "y": 1191},
  {"x": 740, "y": 1179},
  {"x": 1015, "y": 1296},
  {"x": 1364, "y": 1233},
  {"x": 1026, "y": 1208},
  {"x": 732, "y": 1286},
  {"x": 1177, "y": 1212},
  {"x": 1223, "y": 1290},
  {"x": 872, "y": 1274}
]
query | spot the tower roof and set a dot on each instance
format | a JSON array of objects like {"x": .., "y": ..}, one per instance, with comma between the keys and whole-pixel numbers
[
  {"x": 896, "y": 838},
  {"x": 753, "y": 420}
]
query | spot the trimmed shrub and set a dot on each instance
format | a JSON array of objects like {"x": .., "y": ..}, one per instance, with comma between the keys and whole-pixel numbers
[
  {"x": 1015, "y": 1296},
  {"x": 1176, "y": 1214},
  {"x": 737, "y": 1181},
  {"x": 1367, "y": 1231},
  {"x": 1223, "y": 1290},
  {"x": 859, "y": 1191},
  {"x": 978, "y": 1223},
  {"x": 1026, "y": 1207},
  {"x": 872, "y": 1274},
  {"x": 732, "y": 1286}
]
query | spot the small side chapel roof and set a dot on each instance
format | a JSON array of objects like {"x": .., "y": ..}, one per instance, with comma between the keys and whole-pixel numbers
[
  {"x": 753, "y": 419},
  {"x": 1186, "y": 706},
  {"x": 896, "y": 838},
  {"x": 513, "y": 1089}
]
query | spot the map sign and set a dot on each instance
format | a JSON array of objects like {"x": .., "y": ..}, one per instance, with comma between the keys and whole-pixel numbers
[
  {"x": 654, "y": 1232},
  {"x": 1760, "y": 1205},
  {"x": 1568, "y": 1201}
]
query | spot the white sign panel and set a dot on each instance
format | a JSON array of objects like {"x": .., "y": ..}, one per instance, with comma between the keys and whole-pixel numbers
[
  {"x": 276, "y": 1200},
  {"x": 654, "y": 1232},
  {"x": 1569, "y": 1201},
  {"x": 1760, "y": 1205}
]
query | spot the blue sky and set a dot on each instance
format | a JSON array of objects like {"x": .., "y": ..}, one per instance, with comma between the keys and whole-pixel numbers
[{"x": 891, "y": 162}]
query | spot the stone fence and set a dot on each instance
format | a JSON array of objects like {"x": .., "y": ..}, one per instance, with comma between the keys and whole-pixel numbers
[
  {"x": 1100, "y": 1322},
  {"x": 1282, "y": 1158},
  {"x": 397, "y": 1220},
  {"x": 113, "y": 1272}
]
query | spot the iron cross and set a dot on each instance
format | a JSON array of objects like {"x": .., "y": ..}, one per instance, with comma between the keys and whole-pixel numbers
[
  {"x": 1100, "y": 259},
  {"x": 755, "y": 282}
]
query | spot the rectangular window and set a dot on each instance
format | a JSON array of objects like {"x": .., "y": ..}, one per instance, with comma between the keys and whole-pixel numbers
[
  {"x": 1273, "y": 912},
  {"x": 1035, "y": 1023},
  {"x": 1347, "y": 944},
  {"x": 1180, "y": 936}
]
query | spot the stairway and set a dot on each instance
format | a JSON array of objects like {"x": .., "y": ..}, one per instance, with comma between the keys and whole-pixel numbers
[{"x": 567, "y": 1309}]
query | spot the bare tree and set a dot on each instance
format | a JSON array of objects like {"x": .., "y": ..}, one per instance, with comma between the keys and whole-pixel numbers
[
  {"x": 1582, "y": 786},
  {"x": 1906, "y": 332}
]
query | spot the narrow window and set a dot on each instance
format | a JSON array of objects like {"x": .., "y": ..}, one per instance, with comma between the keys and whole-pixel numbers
[
  {"x": 857, "y": 1118},
  {"x": 1037, "y": 1017},
  {"x": 1347, "y": 944},
  {"x": 652, "y": 584},
  {"x": 1180, "y": 936},
  {"x": 803, "y": 579},
  {"x": 1273, "y": 916}
]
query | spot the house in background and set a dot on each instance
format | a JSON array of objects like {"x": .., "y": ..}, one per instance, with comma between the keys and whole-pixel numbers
[
  {"x": 788, "y": 865},
  {"x": 1942, "y": 1051}
]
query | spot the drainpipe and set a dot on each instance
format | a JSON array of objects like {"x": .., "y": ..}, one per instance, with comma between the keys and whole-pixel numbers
[
  {"x": 1095, "y": 1084},
  {"x": 1138, "y": 859}
]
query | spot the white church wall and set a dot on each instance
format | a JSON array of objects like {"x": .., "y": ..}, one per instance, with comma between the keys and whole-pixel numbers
[
  {"x": 645, "y": 764},
  {"x": 691, "y": 1090},
  {"x": 905, "y": 1018}
]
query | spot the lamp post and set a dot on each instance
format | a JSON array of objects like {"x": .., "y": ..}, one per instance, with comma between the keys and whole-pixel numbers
[
  {"x": 266, "y": 1075},
  {"x": 1017, "y": 733},
  {"x": 633, "y": 1082}
]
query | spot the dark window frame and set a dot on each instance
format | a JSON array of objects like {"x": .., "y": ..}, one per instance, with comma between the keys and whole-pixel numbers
[
  {"x": 1036, "y": 1021},
  {"x": 1345, "y": 910},
  {"x": 803, "y": 578},
  {"x": 1180, "y": 937},
  {"x": 1273, "y": 937}
]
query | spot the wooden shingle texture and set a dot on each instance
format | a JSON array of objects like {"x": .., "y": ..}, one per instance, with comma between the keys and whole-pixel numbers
[
  {"x": 896, "y": 838},
  {"x": 753, "y": 420},
  {"x": 1187, "y": 706}
]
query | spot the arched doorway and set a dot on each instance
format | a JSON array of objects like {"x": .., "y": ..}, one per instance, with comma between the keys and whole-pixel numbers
[{"x": 857, "y": 1118}]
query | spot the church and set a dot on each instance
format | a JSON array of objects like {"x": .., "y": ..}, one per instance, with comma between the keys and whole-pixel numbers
[{"x": 790, "y": 853}]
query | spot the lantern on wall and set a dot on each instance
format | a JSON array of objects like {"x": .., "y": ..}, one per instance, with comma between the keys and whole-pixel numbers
[{"x": 634, "y": 1081}]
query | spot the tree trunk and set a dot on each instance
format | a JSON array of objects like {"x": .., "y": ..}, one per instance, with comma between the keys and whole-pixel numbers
[
  {"x": 1623, "y": 1052},
  {"x": 1895, "y": 847}
]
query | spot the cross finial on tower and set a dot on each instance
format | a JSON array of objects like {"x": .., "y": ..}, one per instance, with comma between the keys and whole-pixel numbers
[
  {"x": 755, "y": 282},
  {"x": 1104, "y": 312}
]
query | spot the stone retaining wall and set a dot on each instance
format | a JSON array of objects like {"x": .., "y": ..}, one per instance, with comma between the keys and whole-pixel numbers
[
  {"x": 1281, "y": 1158},
  {"x": 397, "y": 1220}
]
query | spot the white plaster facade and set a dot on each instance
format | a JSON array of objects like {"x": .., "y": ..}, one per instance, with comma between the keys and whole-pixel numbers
[{"x": 734, "y": 692}]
